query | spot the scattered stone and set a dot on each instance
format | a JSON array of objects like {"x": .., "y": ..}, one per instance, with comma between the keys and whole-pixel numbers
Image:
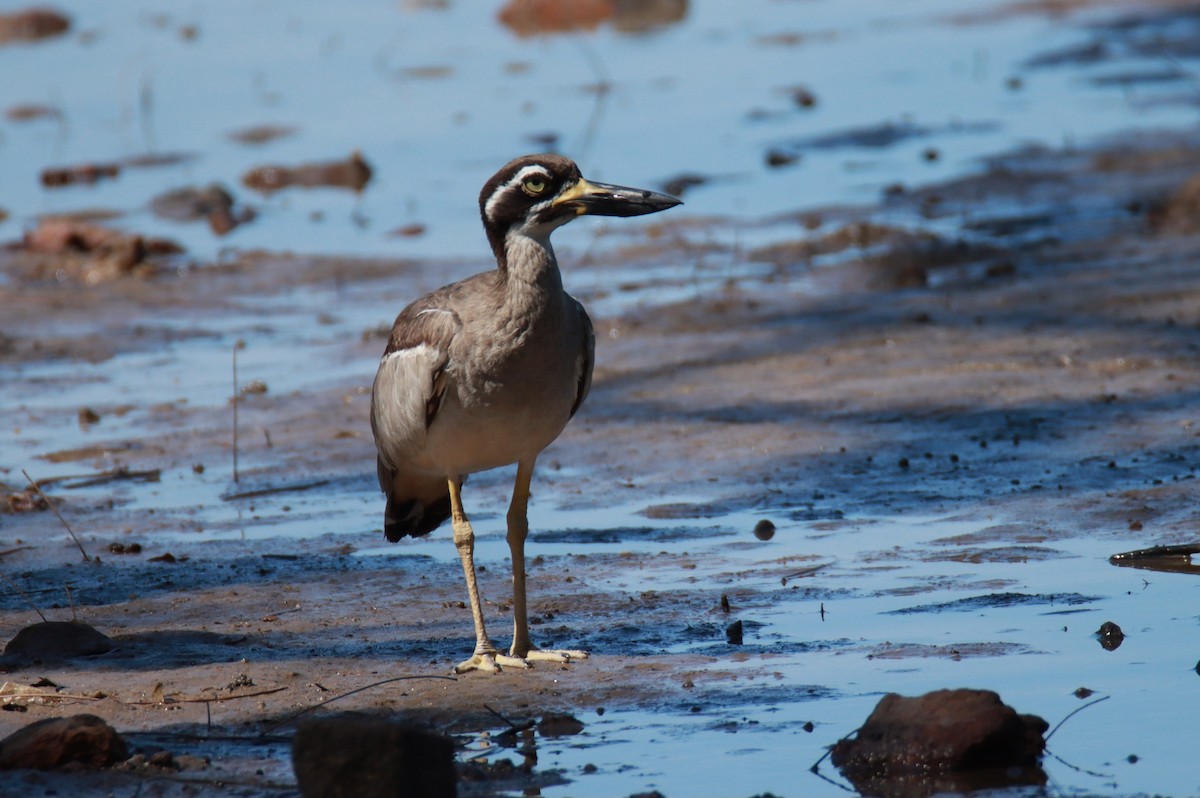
[
  {"x": 61, "y": 248},
  {"x": 1084, "y": 692},
  {"x": 25, "y": 501},
  {"x": 261, "y": 134},
  {"x": 213, "y": 204},
  {"x": 764, "y": 529},
  {"x": 777, "y": 158},
  {"x": 353, "y": 173},
  {"x": 407, "y": 231},
  {"x": 350, "y": 756},
  {"x": 1111, "y": 636},
  {"x": 733, "y": 633},
  {"x": 32, "y": 24},
  {"x": 255, "y": 387},
  {"x": 125, "y": 548},
  {"x": 54, "y": 641},
  {"x": 804, "y": 97},
  {"x": 85, "y": 174},
  {"x": 555, "y": 724},
  {"x": 29, "y": 112},
  {"x": 1179, "y": 213},
  {"x": 79, "y": 740},
  {"x": 947, "y": 740},
  {"x": 88, "y": 417},
  {"x": 681, "y": 184},
  {"x": 539, "y": 17}
]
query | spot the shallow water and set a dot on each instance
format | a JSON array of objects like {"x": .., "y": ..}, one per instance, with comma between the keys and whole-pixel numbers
[{"x": 436, "y": 97}]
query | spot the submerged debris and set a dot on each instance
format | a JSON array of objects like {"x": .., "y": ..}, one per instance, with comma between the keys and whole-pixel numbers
[
  {"x": 86, "y": 174},
  {"x": 261, "y": 134},
  {"x": 61, "y": 248},
  {"x": 212, "y": 203},
  {"x": 353, "y": 173}
]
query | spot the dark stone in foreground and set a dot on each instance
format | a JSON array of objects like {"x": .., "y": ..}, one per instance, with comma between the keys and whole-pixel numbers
[
  {"x": 944, "y": 741},
  {"x": 55, "y": 742},
  {"x": 360, "y": 757}
]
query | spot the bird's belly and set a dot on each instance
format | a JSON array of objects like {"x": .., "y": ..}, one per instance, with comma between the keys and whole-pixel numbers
[{"x": 494, "y": 430}]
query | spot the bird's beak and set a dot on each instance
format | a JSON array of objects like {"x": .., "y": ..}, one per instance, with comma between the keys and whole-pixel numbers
[{"x": 603, "y": 199}]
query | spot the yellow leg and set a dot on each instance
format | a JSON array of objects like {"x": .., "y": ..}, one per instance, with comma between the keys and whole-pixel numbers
[
  {"x": 485, "y": 657},
  {"x": 518, "y": 530}
]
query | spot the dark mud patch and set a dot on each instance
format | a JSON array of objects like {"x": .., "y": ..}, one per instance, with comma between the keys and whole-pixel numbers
[
  {"x": 951, "y": 651},
  {"x": 629, "y": 535},
  {"x": 994, "y": 601}
]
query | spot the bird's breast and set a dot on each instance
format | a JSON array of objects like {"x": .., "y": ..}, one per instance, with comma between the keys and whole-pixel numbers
[{"x": 509, "y": 393}]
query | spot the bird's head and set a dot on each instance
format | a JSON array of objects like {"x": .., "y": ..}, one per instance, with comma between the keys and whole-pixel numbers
[{"x": 536, "y": 194}]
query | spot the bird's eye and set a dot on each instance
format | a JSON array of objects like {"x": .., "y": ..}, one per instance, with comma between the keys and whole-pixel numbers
[{"x": 534, "y": 185}]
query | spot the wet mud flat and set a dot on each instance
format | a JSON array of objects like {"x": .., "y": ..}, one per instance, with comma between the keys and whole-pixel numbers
[{"x": 952, "y": 406}]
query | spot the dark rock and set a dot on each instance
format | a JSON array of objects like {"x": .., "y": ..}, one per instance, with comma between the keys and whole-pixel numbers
[
  {"x": 764, "y": 529},
  {"x": 351, "y": 756},
  {"x": 54, "y": 742},
  {"x": 555, "y": 724},
  {"x": 55, "y": 641},
  {"x": 1110, "y": 635},
  {"x": 733, "y": 633},
  {"x": 946, "y": 740}
]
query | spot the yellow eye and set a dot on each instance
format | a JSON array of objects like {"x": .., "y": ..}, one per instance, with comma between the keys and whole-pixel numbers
[{"x": 534, "y": 185}]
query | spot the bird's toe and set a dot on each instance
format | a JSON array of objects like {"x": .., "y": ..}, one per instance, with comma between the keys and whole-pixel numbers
[
  {"x": 553, "y": 655},
  {"x": 490, "y": 663}
]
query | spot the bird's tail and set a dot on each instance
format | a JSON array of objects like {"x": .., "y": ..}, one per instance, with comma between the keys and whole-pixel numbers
[{"x": 416, "y": 505}]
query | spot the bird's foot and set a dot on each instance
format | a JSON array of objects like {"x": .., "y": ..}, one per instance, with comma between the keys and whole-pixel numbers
[
  {"x": 490, "y": 662},
  {"x": 550, "y": 655}
]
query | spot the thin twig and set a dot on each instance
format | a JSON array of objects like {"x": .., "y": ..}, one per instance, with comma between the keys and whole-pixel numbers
[
  {"x": 24, "y": 595},
  {"x": 513, "y": 728},
  {"x": 296, "y": 487},
  {"x": 340, "y": 696},
  {"x": 1072, "y": 714},
  {"x": 235, "y": 414},
  {"x": 205, "y": 699},
  {"x": 71, "y": 601},
  {"x": 54, "y": 509}
]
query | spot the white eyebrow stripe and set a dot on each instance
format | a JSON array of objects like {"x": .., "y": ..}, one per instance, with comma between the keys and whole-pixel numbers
[{"x": 520, "y": 177}]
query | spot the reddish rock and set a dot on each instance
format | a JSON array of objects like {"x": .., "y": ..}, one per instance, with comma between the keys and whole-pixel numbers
[
  {"x": 917, "y": 742},
  {"x": 32, "y": 24},
  {"x": 363, "y": 757},
  {"x": 64, "y": 248},
  {"x": 537, "y": 17},
  {"x": 55, "y": 742},
  {"x": 353, "y": 173}
]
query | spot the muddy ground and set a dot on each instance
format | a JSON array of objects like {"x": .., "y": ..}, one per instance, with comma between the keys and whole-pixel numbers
[{"x": 1037, "y": 369}]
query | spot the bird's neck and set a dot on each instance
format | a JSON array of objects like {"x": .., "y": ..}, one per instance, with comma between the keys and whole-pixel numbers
[{"x": 529, "y": 266}]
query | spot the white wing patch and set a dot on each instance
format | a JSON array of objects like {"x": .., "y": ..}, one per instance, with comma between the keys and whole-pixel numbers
[{"x": 403, "y": 387}]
